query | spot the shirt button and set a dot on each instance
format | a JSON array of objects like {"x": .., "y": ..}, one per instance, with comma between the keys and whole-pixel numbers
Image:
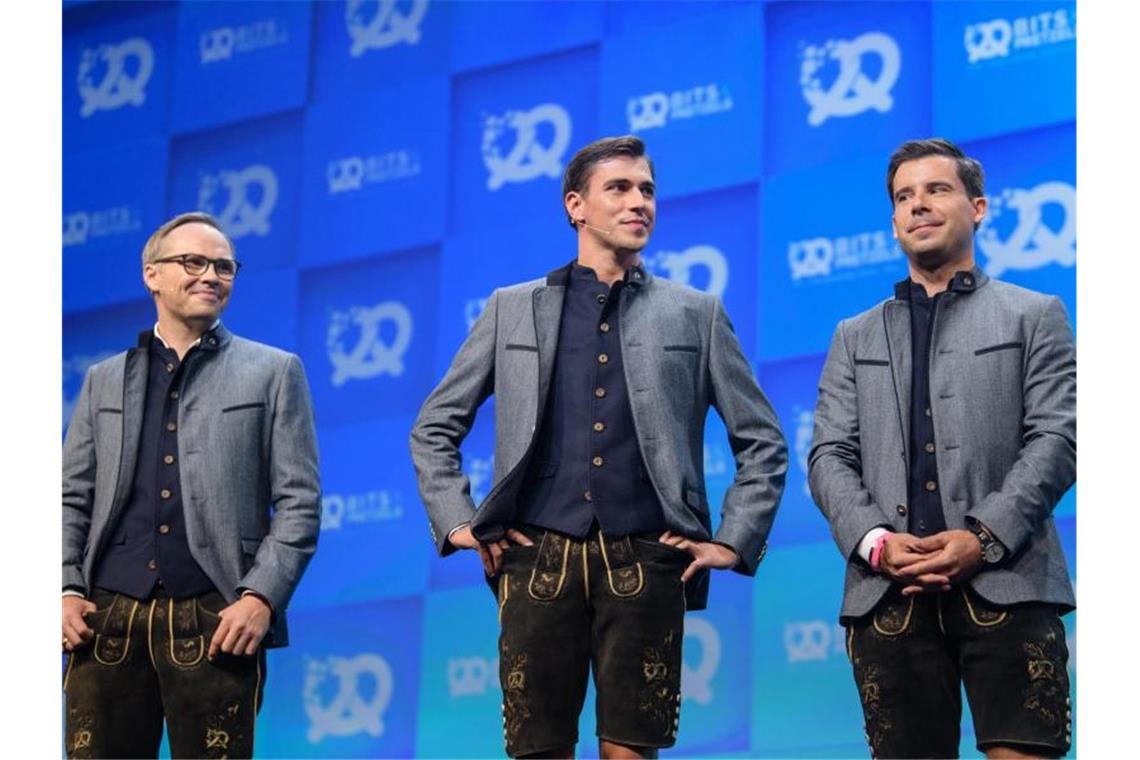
[
  {"x": 603, "y": 358},
  {"x": 171, "y": 427},
  {"x": 928, "y": 411},
  {"x": 901, "y": 510},
  {"x": 152, "y": 565},
  {"x": 600, "y": 392},
  {"x": 597, "y": 461},
  {"x": 929, "y": 448},
  {"x": 174, "y": 395},
  {"x": 165, "y": 493},
  {"x": 600, "y": 298},
  {"x": 587, "y": 496},
  {"x": 604, "y": 327},
  {"x": 931, "y": 485},
  {"x": 164, "y": 529},
  {"x": 599, "y": 427},
  {"x": 168, "y": 459},
  {"x": 169, "y": 367}
]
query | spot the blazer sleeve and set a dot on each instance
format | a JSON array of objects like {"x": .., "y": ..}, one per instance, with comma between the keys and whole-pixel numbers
[
  {"x": 295, "y": 490},
  {"x": 757, "y": 443},
  {"x": 1046, "y": 466},
  {"x": 835, "y": 463},
  {"x": 443, "y": 423},
  {"x": 78, "y": 486}
]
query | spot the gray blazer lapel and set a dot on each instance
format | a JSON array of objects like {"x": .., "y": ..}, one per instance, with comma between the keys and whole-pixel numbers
[
  {"x": 134, "y": 403},
  {"x": 896, "y": 328},
  {"x": 547, "y": 303}
]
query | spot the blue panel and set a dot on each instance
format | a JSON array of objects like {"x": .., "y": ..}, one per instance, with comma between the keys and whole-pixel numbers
[
  {"x": 1003, "y": 66},
  {"x": 238, "y": 60},
  {"x": 515, "y": 129},
  {"x": 460, "y": 709},
  {"x": 347, "y": 686},
  {"x": 818, "y": 267},
  {"x": 844, "y": 79},
  {"x": 374, "y": 540},
  {"x": 1029, "y": 236},
  {"x": 375, "y": 172},
  {"x": 792, "y": 387},
  {"x": 715, "y": 674},
  {"x": 105, "y": 224},
  {"x": 247, "y": 315},
  {"x": 800, "y": 670},
  {"x": 365, "y": 43},
  {"x": 624, "y": 17},
  {"x": 498, "y": 31},
  {"x": 248, "y": 178},
  {"x": 91, "y": 337},
  {"x": 710, "y": 243},
  {"x": 698, "y": 107},
  {"x": 475, "y": 264},
  {"x": 116, "y": 77},
  {"x": 368, "y": 336}
]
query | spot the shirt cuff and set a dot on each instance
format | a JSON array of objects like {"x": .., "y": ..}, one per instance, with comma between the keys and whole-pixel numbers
[
  {"x": 456, "y": 529},
  {"x": 868, "y": 543},
  {"x": 74, "y": 592}
]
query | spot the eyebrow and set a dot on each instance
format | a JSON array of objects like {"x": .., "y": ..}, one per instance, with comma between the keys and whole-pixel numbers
[{"x": 627, "y": 181}]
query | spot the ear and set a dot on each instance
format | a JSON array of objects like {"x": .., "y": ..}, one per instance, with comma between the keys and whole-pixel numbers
[
  {"x": 150, "y": 277},
  {"x": 894, "y": 227},
  {"x": 980, "y": 204},
  {"x": 573, "y": 203}
]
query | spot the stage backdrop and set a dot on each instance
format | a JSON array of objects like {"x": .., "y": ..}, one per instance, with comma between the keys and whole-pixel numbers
[{"x": 383, "y": 165}]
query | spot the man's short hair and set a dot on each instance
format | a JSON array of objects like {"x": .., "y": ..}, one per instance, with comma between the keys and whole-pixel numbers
[
  {"x": 969, "y": 169},
  {"x": 576, "y": 178},
  {"x": 154, "y": 242}
]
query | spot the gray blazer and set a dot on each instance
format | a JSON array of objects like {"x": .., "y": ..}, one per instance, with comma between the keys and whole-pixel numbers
[
  {"x": 246, "y": 442},
  {"x": 680, "y": 355},
  {"x": 1003, "y": 397}
]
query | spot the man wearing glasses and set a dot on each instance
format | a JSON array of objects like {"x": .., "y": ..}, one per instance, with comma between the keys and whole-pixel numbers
[{"x": 191, "y": 507}]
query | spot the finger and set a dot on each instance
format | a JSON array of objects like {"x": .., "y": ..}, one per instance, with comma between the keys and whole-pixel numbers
[
  {"x": 664, "y": 537},
  {"x": 229, "y": 643},
  {"x": 218, "y": 637},
  {"x": 88, "y": 608},
  {"x": 485, "y": 558},
  {"x": 933, "y": 579},
  {"x": 254, "y": 642},
  {"x": 937, "y": 564},
  {"x": 519, "y": 537},
  {"x": 691, "y": 570},
  {"x": 496, "y": 555}
]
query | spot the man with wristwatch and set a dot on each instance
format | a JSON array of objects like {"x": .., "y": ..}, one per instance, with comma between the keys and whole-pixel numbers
[{"x": 945, "y": 434}]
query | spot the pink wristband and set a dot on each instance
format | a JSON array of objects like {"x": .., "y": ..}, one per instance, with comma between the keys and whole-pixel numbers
[{"x": 877, "y": 551}]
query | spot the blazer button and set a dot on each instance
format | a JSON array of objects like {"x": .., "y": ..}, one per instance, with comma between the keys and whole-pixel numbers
[{"x": 901, "y": 510}]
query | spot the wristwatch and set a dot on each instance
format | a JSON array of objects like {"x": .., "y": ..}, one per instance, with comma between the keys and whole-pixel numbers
[{"x": 992, "y": 549}]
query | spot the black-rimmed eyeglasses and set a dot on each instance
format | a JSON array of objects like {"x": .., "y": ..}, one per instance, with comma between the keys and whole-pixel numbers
[{"x": 195, "y": 265}]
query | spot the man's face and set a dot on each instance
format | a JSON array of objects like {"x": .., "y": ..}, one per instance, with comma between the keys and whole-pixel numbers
[
  {"x": 619, "y": 203},
  {"x": 186, "y": 297},
  {"x": 933, "y": 217}
]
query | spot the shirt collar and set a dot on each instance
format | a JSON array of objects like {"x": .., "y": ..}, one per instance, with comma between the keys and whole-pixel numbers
[
  {"x": 965, "y": 281},
  {"x": 198, "y": 342}
]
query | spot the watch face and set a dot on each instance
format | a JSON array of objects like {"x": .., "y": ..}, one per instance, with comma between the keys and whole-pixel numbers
[{"x": 993, "y": 552}]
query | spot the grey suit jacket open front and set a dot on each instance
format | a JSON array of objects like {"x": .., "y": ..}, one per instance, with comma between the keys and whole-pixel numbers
[
  {"x": 248, "y": 464},
  {"x": 1003, "y": 384},
  {"x": 680, "y": 356}
]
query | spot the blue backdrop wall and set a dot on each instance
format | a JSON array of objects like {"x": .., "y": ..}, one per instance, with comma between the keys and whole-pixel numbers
[{"x": 383, "y": 165}]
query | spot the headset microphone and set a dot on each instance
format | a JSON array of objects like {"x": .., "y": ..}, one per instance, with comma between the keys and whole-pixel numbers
[{"x": 596, "y": 229}]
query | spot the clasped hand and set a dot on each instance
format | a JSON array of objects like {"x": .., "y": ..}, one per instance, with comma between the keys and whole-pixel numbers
[{"x": 933, "y": 563}]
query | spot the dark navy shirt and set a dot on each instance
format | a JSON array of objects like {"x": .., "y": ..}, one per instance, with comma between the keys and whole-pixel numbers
[
  {"x": 587, "y": 466},
  {"x": 148, "y": 543},
  {"x": 924, "y": 491}
]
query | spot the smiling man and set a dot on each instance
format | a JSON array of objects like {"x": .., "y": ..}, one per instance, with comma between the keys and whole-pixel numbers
[
  {"x": 191, "y": 507},
  {"x": 596, "y": 535},
  {"x": 945, "y": 434}
]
